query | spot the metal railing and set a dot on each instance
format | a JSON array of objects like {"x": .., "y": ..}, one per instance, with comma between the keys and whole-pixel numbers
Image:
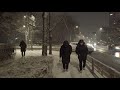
[{"x": 101, "y": 68}]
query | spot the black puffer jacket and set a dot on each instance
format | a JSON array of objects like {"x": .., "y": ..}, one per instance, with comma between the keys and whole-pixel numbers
[
  {"x": 23, "y": 46},
  {"x": 82, "y": 51},
  {"x": 65, "y": 52}
]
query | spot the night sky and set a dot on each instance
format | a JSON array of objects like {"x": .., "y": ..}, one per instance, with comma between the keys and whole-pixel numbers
[{"x": 90, "y": 21}]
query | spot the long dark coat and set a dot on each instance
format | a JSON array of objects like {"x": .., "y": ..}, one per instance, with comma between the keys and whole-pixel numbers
[
  {"x": 82, "y": 51},
  {"x": 23, "y": 46},
  {"x": 65, "y": 52}
]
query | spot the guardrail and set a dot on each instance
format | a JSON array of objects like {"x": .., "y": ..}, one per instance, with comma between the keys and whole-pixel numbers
[{"x": 102, "y": 69}]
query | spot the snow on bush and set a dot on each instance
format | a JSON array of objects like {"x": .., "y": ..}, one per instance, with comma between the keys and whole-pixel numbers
[{"x": 28, "y": 67}]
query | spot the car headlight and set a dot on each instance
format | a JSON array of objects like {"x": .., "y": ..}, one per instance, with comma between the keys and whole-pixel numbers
[
  {"x": 117, "y": 47},
  {"x": 117, "y": 54}
]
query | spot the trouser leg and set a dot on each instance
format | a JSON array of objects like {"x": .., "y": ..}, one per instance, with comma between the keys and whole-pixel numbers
[
  {"x": 67, "y": 65},
  {"x": 22, "y": 54},
  {"x": 80, "y": 64},
  {"x": 84, "y": 63},
  {"x": 64, "y": 66}
]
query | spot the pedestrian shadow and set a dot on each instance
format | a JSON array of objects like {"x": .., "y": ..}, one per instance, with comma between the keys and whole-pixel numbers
[{"x": 75, "y": 64}]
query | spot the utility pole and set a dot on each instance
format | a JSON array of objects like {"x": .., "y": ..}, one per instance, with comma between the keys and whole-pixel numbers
[
  {"x": 50, "y": 36},
  {"x": 44, "y": 38}
]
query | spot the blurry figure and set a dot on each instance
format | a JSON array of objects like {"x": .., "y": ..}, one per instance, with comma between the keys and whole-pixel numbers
[
  {"x": 23, "y": 47},
  {"x": 65, "y": 52},
  {"x": 82, "y": 51}
]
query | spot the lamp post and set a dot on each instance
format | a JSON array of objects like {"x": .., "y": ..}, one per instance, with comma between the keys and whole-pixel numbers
[{"x": 27, "y": 28}]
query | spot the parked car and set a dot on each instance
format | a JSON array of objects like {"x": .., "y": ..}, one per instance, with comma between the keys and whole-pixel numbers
[{"x": 74, "y": 44}]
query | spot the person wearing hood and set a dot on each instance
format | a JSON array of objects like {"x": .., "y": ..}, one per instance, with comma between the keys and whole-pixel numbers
[
  {"x": 23, "y": 47},
  {"x": 82, "y": 51},
  {"x": 65, "y": 52}
]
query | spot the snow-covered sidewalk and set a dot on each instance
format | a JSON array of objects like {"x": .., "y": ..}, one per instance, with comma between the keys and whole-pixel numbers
[
  {"x": 73, "y": 68},
  {"x": 33, "y": 65}
]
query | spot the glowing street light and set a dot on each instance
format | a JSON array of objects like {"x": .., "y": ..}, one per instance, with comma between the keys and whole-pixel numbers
[
  {"x": 16, "y": 38},
  {"x": 101, "y": 29},
  {"x": 111, "y": 14},
  {"x": 24, "y": 16},
  {"x": 24, "y": 26},
  {"x": 76, "y": 26}
]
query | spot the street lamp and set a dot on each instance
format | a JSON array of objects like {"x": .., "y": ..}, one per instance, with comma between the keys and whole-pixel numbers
[
  {"x": 101, "y": 29},
  {"x": 76, "y": 26},
  {"x": 24, "y": 26},
  {"x": 24, "y": 16},
  {"x": 16, "y": 38},
  {"x": 111, "y": 14}
]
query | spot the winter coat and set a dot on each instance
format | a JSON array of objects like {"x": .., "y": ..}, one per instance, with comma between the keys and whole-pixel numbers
[
  {"x": 65, "y": 52},
  {"x": 23, "y": 46},
  {"x": 82, "y": 51}
]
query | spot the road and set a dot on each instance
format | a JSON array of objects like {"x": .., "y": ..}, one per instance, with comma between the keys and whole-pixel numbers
[{"x": 107, "y": 59}]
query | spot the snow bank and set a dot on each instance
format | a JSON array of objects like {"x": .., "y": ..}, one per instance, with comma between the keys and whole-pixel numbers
[{"x": 28, "y": 67}]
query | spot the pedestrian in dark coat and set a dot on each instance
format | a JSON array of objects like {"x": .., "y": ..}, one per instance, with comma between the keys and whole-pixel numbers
[
  {"x": 23, "y": 47},
  {"x": 82, "y": 51},
  {"x": 65, "y": 52}
]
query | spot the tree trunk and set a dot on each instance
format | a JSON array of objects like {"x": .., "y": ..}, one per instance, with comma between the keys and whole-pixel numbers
[
  {"x": 44, "y": 46},
  {"x": 50, "y": 37}
]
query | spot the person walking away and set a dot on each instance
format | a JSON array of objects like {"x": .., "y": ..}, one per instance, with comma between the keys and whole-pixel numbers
[
  {"x": 23, "y": 47},
  {"x": 65, "y": 52},
  {"x": 82, "y": 51}
]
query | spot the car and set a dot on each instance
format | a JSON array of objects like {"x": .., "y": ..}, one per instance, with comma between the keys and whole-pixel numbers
[
  {"x": 73, "y": 44},
  {"x": 115, "y": 48},
  {"x": 90, "y": 47}
]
